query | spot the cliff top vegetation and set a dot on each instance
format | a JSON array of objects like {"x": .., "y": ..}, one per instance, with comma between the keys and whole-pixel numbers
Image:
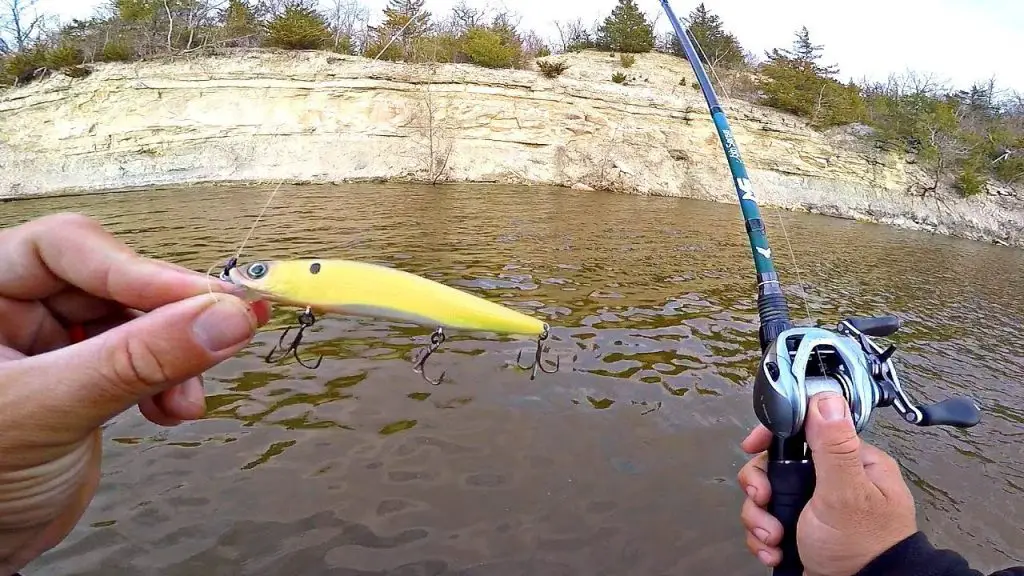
[{"x": 970, "y": 134}]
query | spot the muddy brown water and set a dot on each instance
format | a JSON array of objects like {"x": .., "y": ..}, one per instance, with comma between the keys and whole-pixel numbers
[{"x": 623, "y": 463}]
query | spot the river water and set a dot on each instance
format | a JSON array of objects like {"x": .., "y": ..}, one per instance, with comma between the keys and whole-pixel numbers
[{"x": 622, "y": 463}]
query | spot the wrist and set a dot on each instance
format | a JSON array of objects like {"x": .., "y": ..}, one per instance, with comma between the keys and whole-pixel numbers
[
  {"x": 902, "y": 558},
  {"x": 40, "y": 504},
  {"x": 33, "y": 497}
]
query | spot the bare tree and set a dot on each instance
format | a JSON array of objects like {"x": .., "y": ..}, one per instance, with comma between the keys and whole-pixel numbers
[
  {"x": 533, "y": 43},
  {"x": 439, "y": 144},
  {"x": 574, "y": 34},
  {"x": 949, "y": 148},
  {"x": 20, "y": 24},
  {"x": 464, "y": 17},
  {"x": 348, "y": 19}
]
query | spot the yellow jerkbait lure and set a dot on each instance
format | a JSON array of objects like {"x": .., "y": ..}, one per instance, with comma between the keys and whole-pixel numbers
[{"x": 369, "y": 290}]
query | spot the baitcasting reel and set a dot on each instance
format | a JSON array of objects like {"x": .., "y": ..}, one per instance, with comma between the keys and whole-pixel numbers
[{"x": 803, "y": 362}]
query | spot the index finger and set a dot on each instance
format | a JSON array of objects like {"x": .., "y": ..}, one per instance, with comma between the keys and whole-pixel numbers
[
  {"x": 759, "y": 439},
  {"x": 43, "y": 257}
]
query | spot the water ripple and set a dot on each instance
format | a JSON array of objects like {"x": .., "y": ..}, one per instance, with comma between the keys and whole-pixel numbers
[{"x": 363, "y": 468}]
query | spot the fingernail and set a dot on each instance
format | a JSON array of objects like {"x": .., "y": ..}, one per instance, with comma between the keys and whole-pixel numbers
[
  {"x": 262, "y": 309},
  {"x": 752, "y": 492},
  {"x": 223, "y": 325},
  {"x": 194, "y": 391},
  {"x": 761, "y": 534},
  {"x": 832, "y": 407},
  {"x": 764, "y": 557}
]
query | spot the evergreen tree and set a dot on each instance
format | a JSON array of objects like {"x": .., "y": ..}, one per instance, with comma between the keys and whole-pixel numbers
[
  {"x": 405, "y": 21},
  {"x": 486, "y": 47},
  {"x": 507, "y": 31},
  {"x": 239, "y": 20},
  {"x": 626, "y": 30},
  {"x": 132, "y": 11},
  {"x": 716, "y": 46},
  {"x": 978, "y": 101},
  {"x": 805, "y": 54},
  {"x": 300, "y": 27},
  {"x": 400, "y": 12}
]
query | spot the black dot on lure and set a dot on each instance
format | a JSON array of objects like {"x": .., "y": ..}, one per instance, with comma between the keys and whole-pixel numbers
[{"x": 315, "y": 268}]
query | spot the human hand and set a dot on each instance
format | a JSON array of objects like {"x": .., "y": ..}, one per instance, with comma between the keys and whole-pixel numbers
[
  {"x": 151, "y": 330},
  {"x": 861, "y": 506}
]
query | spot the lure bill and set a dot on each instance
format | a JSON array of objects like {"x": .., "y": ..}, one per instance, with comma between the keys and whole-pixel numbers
[{"x": 372, "y": 291}]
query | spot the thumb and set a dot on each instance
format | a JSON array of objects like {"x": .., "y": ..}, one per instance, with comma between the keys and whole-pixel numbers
[
  {"x": 832, "y": 438},
  {"x": 84, "y": 385}
]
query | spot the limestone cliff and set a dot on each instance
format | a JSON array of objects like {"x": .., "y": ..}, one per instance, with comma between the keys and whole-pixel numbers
[{"x": 271, "y": 116}]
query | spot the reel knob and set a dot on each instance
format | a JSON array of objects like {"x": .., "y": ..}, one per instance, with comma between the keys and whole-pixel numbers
[{"x": 956, "y": 412}]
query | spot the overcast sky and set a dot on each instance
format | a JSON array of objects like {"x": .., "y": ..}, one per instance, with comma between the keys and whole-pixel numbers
[{"x": 962, "y": 41}]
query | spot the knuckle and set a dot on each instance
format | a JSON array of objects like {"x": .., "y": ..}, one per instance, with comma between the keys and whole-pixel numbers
[
  {"x": 892, "y": 464},
  {"x": 743, "y": 476},
  {"x": 751, "y": 514},
  {"x": 749, "y": 474},
  {"x": 753, "y": 544},
  {"x": 134, "y": 365},
  {"x": 845, "y": 443},
  {"x": 69, "y": 220}
]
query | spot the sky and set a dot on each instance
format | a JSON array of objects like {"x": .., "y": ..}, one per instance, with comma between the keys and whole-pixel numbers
[{"x": 959, "y": 41}]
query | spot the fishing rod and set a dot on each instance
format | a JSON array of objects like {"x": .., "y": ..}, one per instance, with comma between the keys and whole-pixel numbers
[{"x": 799, "y": 362}]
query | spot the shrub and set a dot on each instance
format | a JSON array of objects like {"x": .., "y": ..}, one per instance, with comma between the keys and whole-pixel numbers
[
  {"x": 1010, "y": 169},
  {"x": 117, "y": 51},
  {"x": 392, "y": 54},
  {"x": 969, "y": 182},
  {"x": 695, "y": 85},
  {"x": 796, "y": 88},
  {"x": 627, "y": 60},
  {"x": 485, "y": 48},
  {"x": 343, "y": 45},
  {"x": 299, "y": 27},
  {"x": 21, "y": 67},
  {"x": 543, "y": 52},
  {"x": 441, "y": 48},
  {"x": 552, "y": 69},
  {"x": 64, "y": 56},
  {"x": 619, "y": 78}
]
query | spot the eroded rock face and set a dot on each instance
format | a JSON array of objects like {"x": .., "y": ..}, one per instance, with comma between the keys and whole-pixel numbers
[{"x": 268, "y": 116}]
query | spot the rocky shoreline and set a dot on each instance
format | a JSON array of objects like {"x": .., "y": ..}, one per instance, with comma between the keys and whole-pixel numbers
[{"x": 314, "y": 117}]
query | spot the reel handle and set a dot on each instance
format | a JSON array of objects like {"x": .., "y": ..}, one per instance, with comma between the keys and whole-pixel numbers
[
  {"x": 958, "y": 412},
  {"x": 792, "y": 484},
  {"x": 878, "y": 327}
]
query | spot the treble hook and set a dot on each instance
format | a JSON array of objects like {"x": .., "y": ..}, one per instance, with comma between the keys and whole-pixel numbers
[
  {"x": 537, "y": 364},
  {"x": 306, "y": 319},
  {"x": 436, "y": 340}
]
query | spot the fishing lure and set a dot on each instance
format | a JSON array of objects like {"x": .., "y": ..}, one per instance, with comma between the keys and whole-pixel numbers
[{"x": 369, "y": 290}]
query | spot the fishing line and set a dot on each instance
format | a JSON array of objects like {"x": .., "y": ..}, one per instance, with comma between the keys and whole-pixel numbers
[
  {"x": 258, "y": 219},
  {"x": 399, "y": 33},
  {"x": 721, "y": 85},
  {"x": 249, "y": 236},
  {"x": 280, "y": 182},
  {"x": 777, "y": 210}
]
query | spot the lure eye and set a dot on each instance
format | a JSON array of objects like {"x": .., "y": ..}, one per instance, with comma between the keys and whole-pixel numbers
[{"x": 257, "y": 271}]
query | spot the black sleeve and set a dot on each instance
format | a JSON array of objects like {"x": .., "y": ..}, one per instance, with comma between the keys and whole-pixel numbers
[{"x": 917, "y": 556}]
